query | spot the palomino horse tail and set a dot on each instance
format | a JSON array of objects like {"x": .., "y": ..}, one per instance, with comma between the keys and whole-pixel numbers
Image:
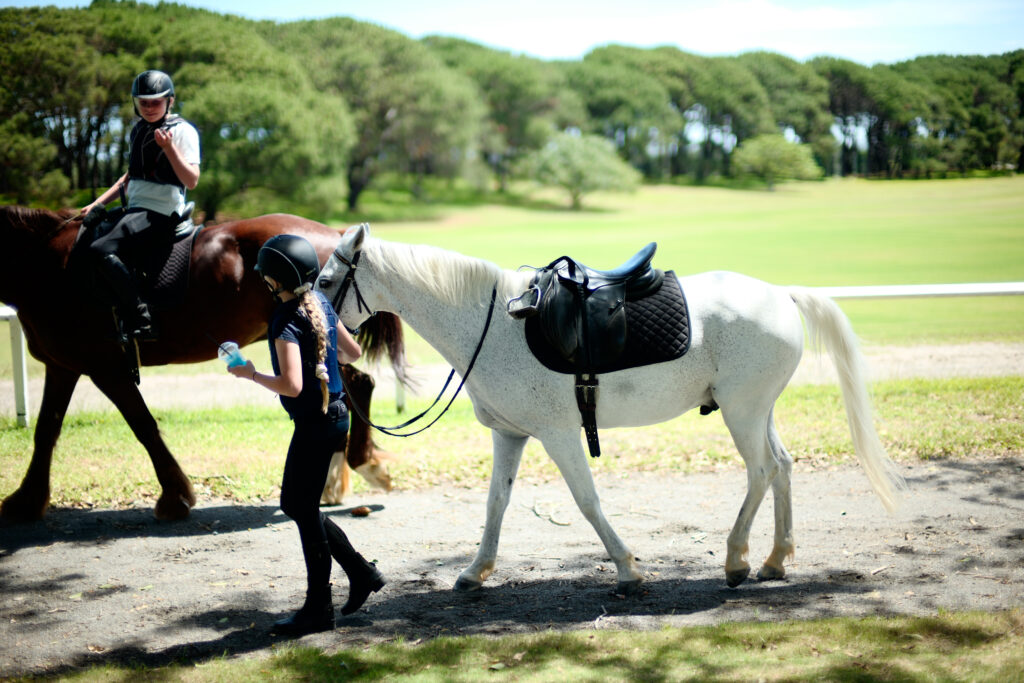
[{"x": 827, "y": 325}]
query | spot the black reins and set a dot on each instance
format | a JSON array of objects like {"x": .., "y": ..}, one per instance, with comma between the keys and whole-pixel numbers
[{"x": 339, "y": 299}]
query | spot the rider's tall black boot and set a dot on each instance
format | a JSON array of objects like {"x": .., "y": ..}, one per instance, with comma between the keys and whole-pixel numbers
[
  {"x": 317, "y": 612},
  {"x": 363, "y": 577},
  {"x": 131, "y": 308}
]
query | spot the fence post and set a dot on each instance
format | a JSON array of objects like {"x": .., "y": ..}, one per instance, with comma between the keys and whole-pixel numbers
[{"x": 20, "y": 367}]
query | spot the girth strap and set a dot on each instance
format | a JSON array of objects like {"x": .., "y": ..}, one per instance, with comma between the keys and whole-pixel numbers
[{"x": 586, "y": 401}]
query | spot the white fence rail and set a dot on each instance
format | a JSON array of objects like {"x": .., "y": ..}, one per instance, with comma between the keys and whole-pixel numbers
[
  {"x": 18, "y": 356},
  {"x": 905, "y": 291}
]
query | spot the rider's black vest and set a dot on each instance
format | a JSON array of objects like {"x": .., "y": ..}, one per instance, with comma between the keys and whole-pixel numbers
[{"x": 147, "y": 160}]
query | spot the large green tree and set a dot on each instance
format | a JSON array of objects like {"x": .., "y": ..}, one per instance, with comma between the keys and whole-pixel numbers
[
  {"x": 580, "y": 165},
  {"x": 799, "y": 100},
  {"x": 974, "y": 120},
  {"x": 411, "y": 112},
  {"x": 527, "y": 100},
  {"x": 773, "y": 158},
  {"x": 631, "y": 108}
]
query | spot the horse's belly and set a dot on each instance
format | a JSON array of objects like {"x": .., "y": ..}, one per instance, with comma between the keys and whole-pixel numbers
[{"x": 653, "y": 393}]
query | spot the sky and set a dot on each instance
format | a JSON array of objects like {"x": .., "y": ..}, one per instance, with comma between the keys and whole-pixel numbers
[{"x": 864, "y": 31}]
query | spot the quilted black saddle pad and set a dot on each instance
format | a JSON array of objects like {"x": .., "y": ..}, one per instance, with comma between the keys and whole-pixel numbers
[
  {"x": 657, "y": 330},
  {"x": 166, "y": 277}
]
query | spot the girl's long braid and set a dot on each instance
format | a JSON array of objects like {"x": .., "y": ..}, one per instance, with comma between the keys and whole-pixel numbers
[{"x": 311, "y": 306}]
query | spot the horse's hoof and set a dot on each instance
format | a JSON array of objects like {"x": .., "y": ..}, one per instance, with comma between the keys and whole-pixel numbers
[
  {"x": 770, "y": 573},
  {"x": 464, "y": 585},
  {"x": 19, "y": 508},
  {"x": 172, "y": 508},
  {"x": 736, "y": 577},
  {"x": 627, "y": 589}
]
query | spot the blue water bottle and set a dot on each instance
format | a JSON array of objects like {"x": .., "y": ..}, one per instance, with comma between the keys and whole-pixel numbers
[{"x": 230, "y": 354}]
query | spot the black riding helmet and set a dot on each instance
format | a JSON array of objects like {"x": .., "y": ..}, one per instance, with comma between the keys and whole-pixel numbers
[
  {"x": 289, "y": 259},
  {"x": 152, "y": 84}
]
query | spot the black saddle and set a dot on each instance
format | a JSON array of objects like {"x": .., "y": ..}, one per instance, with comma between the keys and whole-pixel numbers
[
  {"x": 582, "y": 310},
  {"x": 159, "y": 261},
  {"x": 584, "y": 321}
]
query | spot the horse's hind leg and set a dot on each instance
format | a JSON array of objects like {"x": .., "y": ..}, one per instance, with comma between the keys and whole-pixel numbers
[
  {"x": 748, "y": 425},
  {"x": 508, "y": 452},
  {"x": 29, "y": 502},
  {"x": 781, "y": 491},
  {"x": 177, "y": 498}
]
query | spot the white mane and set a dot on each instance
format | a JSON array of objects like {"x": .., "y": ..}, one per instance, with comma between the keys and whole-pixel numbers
[{"x": 452, "y": 277}]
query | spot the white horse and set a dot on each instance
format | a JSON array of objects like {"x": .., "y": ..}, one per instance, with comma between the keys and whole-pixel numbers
[{"x": 746, "y": 341}]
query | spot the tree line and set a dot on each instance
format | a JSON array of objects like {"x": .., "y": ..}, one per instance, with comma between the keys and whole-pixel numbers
[{"x": 288, "y": 108}]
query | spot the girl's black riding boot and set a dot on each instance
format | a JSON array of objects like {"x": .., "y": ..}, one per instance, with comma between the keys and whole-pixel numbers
[
  {"x": 317, "y": 613},
  {"x": 133, "y": 311},
  {"x": 363, "y": 577}
]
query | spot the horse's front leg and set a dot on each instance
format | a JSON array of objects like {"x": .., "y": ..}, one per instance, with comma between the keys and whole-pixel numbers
[
  {"x": 508, "y": 452},
  {"x": 177, "y": 498},
  {"x": 567, "y": 452},
  {"x": 29, "y": 502}
]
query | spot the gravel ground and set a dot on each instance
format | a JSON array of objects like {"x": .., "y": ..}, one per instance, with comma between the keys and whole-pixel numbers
[{"x": 82, "y": 587}]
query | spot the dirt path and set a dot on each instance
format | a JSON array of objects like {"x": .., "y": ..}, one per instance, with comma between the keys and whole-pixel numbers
[
  {"x": 82, "y": 587},
  {"x": 88, "y": 586}
]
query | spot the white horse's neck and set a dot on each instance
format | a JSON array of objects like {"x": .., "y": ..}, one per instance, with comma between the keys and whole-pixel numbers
[{"x": 442, "y": 295}]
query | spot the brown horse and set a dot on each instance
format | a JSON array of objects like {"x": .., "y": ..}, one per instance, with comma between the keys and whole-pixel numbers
[{"x": 72, "y": 336}]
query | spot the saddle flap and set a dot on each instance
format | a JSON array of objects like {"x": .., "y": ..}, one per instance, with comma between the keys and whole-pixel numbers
[{"x": 586, "y": 327}]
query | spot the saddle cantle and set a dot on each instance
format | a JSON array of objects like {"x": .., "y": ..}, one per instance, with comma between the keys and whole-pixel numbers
[{"x": 583, "y": 321}]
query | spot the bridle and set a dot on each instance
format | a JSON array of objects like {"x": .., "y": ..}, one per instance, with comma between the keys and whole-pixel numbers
[
  {"x": 349, "y": 281},
  {"x": 339, "y": 299}
]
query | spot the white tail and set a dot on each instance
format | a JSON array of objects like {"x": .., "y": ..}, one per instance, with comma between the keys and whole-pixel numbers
[{"x": 828, "y": 326}]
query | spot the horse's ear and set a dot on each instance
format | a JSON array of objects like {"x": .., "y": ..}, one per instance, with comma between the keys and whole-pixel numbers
[
  {"x": 356, "y": 234},
  {"x": 361, "y": 231}
]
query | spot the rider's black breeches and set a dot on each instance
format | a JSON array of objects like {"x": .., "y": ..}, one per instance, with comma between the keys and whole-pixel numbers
[{"x": 124, "y": 234}]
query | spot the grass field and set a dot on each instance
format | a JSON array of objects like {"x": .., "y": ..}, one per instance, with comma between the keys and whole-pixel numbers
[{"x": 848, "y": 232}]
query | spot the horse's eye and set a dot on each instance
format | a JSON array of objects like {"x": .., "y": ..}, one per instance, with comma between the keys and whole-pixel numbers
[{"x": 324, "y": 282}]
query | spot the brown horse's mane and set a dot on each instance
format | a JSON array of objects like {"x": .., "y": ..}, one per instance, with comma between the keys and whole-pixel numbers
[{"x": 42, "y": 222}]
